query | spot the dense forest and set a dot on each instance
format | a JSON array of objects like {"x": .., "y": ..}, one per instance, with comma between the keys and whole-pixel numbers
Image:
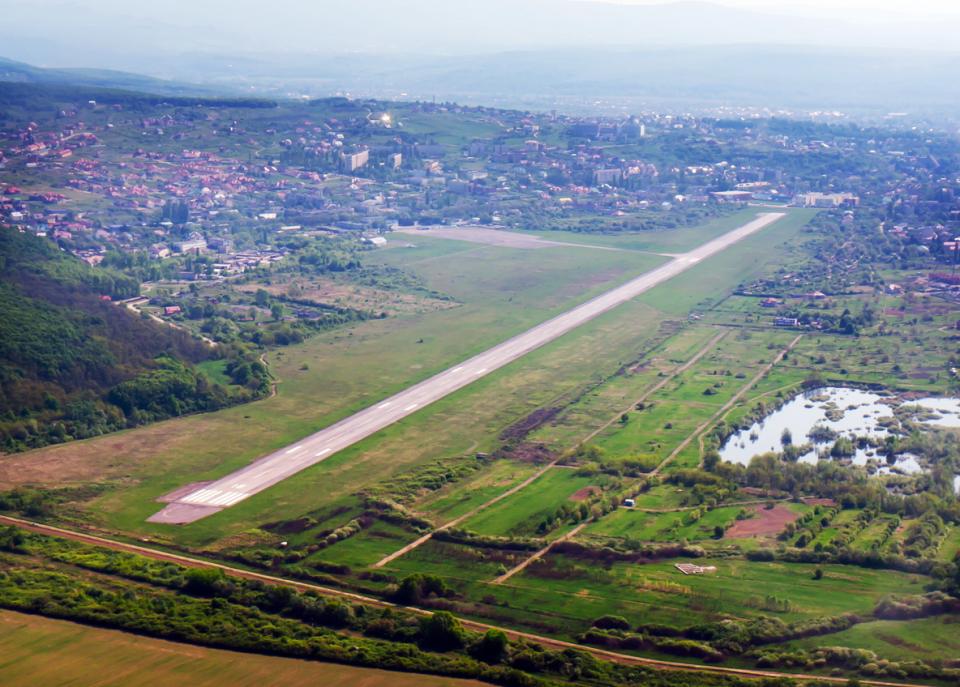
[{"x": 74, "y": 364}]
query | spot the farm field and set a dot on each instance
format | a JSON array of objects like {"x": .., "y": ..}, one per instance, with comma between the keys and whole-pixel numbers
[
  {"x": 674, "y": 412},
  {"x": 367, "y": 547},
  {"x": 691, "y": 525},
  {"x": 876, "y": 360},
  {"x": 740, "y": 588},
  {"x": 41, "y": 652},
  {"x": 602, "y": 406},
  {"x": 459, "y": 498},
  {"x": 521, "y": 514},
  {"x": 564, "y": 596},
  {"x": 898, "y": 640}
]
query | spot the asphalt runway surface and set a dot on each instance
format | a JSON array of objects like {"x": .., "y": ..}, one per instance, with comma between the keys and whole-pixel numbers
[{"x": 263, "y": 473}]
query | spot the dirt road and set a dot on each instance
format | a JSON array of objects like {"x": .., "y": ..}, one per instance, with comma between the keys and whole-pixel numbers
[{"x": 468, "y": 624}]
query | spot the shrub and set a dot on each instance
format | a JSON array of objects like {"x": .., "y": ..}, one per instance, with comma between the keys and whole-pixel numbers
[
  {"x": 440, "y": 632},
  {"x": 492, "y": 647},
  {"x": 611, "y": 622}
]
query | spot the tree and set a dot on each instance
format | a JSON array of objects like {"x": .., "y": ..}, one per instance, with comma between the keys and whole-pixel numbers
[
  {"x": 440, "y": 632},
  {"x": 204, "y": 581},
  {"x": 492, "y": 647},
  {"x": 612, "y": 622}
]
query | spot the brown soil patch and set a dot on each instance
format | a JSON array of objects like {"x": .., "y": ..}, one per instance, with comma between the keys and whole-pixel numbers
[
  {"x": 811, "y": 501},
  {"x": 105, "y": 458},
  {"x": 584, "y": 493},
  {"x": 518, "y": 430},
  {"x": 766, "y": 523},
  {"x": 529, "y": 453},
  {"x": 333, "y": 292}
]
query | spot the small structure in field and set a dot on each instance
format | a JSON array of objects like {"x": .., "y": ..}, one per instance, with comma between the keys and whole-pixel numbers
[{"x": 691, "y": 569}]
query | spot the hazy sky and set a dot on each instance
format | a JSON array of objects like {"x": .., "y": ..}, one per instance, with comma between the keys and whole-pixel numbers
[
  {"x": 914, "y": 8},
  {"x": 132, "y": 35}
]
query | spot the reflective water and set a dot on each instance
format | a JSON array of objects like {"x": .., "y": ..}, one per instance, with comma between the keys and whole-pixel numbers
[
  {"x": 948, "y": 410},
  {"x": 833, "y": 412}
]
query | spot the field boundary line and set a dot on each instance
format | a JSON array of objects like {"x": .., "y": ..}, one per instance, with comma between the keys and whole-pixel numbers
[
  {"x": 662, "y": 383},
  {"x": 539, "y": 554},
  {"x": 469, "y": 514}
]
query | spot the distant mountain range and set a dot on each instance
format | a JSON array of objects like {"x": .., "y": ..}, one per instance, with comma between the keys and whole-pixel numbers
[
  {"x": 20, "y": 72},
  {"x": 574, "y": 80},
  {"x": 461, "y": 50}
]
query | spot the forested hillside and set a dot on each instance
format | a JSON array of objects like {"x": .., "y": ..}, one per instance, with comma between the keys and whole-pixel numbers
[{"x": 73, "y": 364}]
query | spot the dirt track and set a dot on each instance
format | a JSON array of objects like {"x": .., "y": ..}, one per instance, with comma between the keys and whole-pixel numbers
[{"x": 469, "y": 624}]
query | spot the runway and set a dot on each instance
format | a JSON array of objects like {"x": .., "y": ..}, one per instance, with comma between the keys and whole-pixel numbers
[{"x": 279, "y": 465}]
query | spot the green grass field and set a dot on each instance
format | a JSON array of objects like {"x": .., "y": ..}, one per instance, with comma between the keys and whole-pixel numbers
[
  {"x": 896, "y": 640},
  {"x": 663, "y": 527},
  {"x": 41, "y": 652},
  {"x": 672, "y": 241},
  {"x": 366, "y": 547},
  {"x": 658, "y": 593},
  {"x": 519, "y": 514},
  {"x": 458, "y": 498}
]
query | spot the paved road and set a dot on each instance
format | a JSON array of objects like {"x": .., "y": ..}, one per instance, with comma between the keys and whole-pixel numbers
[{"x": 271, "y": 469}]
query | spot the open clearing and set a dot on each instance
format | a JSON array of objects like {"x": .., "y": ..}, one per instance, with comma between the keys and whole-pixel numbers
[
  {"x": 766, "y": 522},
  {"x": 42, "y": 652},
  {"x": 492, "y": 237},
  {"x": 497, "y": 237}
]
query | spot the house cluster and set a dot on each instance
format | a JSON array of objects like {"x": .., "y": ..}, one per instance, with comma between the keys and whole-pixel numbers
[{"x": 189, "y": 182}]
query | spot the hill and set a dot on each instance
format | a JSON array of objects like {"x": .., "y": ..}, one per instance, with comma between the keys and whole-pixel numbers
[
  {"x": 21, "y": 72},
  {"x": 74, "y": 364}
]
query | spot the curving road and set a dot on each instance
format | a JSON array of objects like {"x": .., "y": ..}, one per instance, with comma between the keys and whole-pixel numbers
[{"x": 267, "y": 471}]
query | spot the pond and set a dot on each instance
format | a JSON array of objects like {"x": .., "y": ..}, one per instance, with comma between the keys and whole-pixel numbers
[
  {"x": 947, "y": 410},
  {"x": 820, "y": 416}
]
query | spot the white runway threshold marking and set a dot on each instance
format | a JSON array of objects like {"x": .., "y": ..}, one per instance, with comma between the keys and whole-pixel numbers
[{"x": 280, "y": 465}]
